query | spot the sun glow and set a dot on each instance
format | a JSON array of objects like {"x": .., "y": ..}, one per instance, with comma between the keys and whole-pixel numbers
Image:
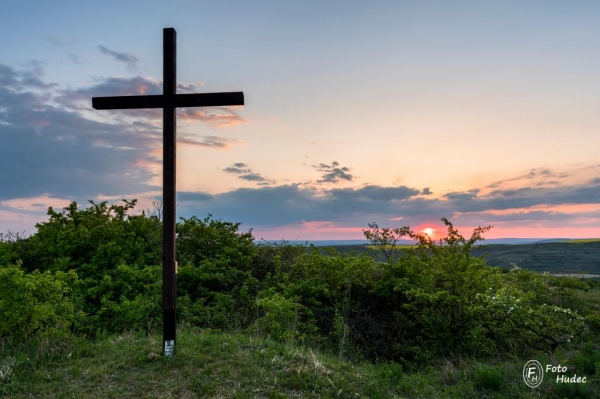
[{"x": 429, "y": 231}]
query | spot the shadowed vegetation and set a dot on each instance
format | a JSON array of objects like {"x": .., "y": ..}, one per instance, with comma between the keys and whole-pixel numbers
[{"x": 432, "y": 320}]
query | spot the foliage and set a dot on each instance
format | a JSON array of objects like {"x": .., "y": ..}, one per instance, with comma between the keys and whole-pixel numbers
[
  {"x": 35, "y": 304},
  {"x": 130, "y": 299},
  {"x": 279, "y": 318},
  {"x": 428, "y": 302},
  {"x": 8, "y": 243},
  {"x": 216, "y": 264},
  {"x": 209, "y": 239},
  {"x": 450, "y": 303},
  {"x": 92, "y": 240},
  {"x": 385, "y": 239},
  {"x": 488, "y": 378}
]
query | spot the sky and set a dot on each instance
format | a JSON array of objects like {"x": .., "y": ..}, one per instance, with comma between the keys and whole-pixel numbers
[{"x": 394, "y": 112}]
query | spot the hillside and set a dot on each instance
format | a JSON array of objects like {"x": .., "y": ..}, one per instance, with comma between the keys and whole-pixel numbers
[
  {"x": 553, "y": 257},
  {"x": 84, "y": 295}
]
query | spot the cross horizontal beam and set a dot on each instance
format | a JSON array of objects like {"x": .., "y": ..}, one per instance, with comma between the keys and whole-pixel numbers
[{"x": 178, "y": 100}]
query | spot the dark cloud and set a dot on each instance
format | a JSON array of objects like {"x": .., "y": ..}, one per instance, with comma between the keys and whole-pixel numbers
[
  {"x": 237, "y": 168},
  {"x": 266, "y": 206},
  {"x": 333, "y": 173},
  {"x": 374, "y": 193},
  {"x": 461, "y": 196},
  {"x": 253, "y": 177},
  {"x": 45, "y": 149},
  {"x": 528, "y": 216},
  {"x": 23, "y": 80},
  {"x": 511, "y": 193},
  {"x": 209, "y": 141},
  {"x": 60, "y": 161},
  {"x": 129, "y": 59},
  {"x": 246, "y": 173},
  {"x": 80, "y": 99},
  {"x": 192, "y": 196},
  {"x": 290, "y": 204}
]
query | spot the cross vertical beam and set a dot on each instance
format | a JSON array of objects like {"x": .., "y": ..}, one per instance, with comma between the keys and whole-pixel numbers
[
  {"x": 169, "y": 283},
  {"x": 169, "y": 101}
]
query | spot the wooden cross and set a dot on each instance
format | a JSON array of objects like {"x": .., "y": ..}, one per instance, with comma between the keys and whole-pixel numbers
[{"x": 169, "y": 101}]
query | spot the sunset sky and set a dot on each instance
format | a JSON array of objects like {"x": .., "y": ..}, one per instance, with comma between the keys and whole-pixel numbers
[{"x": 394, "y": 112}]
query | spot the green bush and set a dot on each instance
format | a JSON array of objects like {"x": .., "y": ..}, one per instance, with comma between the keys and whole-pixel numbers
[
  {"x": 449, "y": 303},
  {"x": 487, "y": 378},
  {"x": 35, "y": 304},
  {"x": 7, "y": 254},
  {"x": 278, "y": 316},
  {"x": 130, "y": 299},
  {"x": 209, "y": 239},
  {"x": 93, "y": 240},
  {"x": 440, "y": 284}
]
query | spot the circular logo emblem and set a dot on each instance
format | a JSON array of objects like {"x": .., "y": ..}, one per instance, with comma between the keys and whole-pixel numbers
[{"x": 533, "y": 373}]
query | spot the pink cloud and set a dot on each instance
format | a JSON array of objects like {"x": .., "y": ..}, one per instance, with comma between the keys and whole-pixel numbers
[
  {"x": 224, "y": 118},
  {"x": 312, "y": 230}
]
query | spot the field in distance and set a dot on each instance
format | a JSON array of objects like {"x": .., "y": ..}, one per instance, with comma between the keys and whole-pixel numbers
[{"x": 554, "y": 257}]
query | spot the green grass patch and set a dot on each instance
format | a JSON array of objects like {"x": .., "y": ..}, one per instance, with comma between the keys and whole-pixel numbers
[
  {"x": 583, "y": 240},
  {"x": 214, "y": 364}
]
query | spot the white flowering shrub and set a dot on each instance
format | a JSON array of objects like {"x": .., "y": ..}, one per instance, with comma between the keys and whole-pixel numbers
[
  {"x": 511, "y": 316},
  {"x": 450, "y": 303}
]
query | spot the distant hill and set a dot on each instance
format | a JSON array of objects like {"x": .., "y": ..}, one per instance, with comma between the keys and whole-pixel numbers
[
  {"x": 509, "y": 241},
  {"x": 571, "y": 256},
  {"x": 553, "y": 257}
]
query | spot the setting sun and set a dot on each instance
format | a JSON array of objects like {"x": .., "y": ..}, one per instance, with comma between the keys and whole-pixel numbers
[{"x": 429, "y": 231}]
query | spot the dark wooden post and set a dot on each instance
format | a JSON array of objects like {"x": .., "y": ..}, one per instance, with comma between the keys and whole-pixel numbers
[
  {"x": 169, "y": 285},
  {"x": 169, "y": 101}
]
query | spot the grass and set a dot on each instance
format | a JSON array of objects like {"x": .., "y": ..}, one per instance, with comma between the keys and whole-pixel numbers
[
  {"x": 583, "y": 240},
  {"x": 213, "y": 364}
]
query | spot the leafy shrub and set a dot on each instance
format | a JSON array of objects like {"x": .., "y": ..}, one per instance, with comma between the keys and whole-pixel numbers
[
  {"x": 587, "y": 361},
  {"x": 574, "y": 391},
  {"x": 35, "y": 304},
  {"x": 440, "y": 284},
  {"x": 7, "y": 254},
  {"x": 130, "y": 299},
  {"x": 215, "y": 265},
  {"x": 449, "y": 303},
  {"x": 389, "y": 372},
  {"x": 93, "y": 240},
  {"x": 488, "y": 378},
  {"x": 593, "y": 322},
  {"x": 279, "y": 316},
  {"x": 209, "y": 239}
]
